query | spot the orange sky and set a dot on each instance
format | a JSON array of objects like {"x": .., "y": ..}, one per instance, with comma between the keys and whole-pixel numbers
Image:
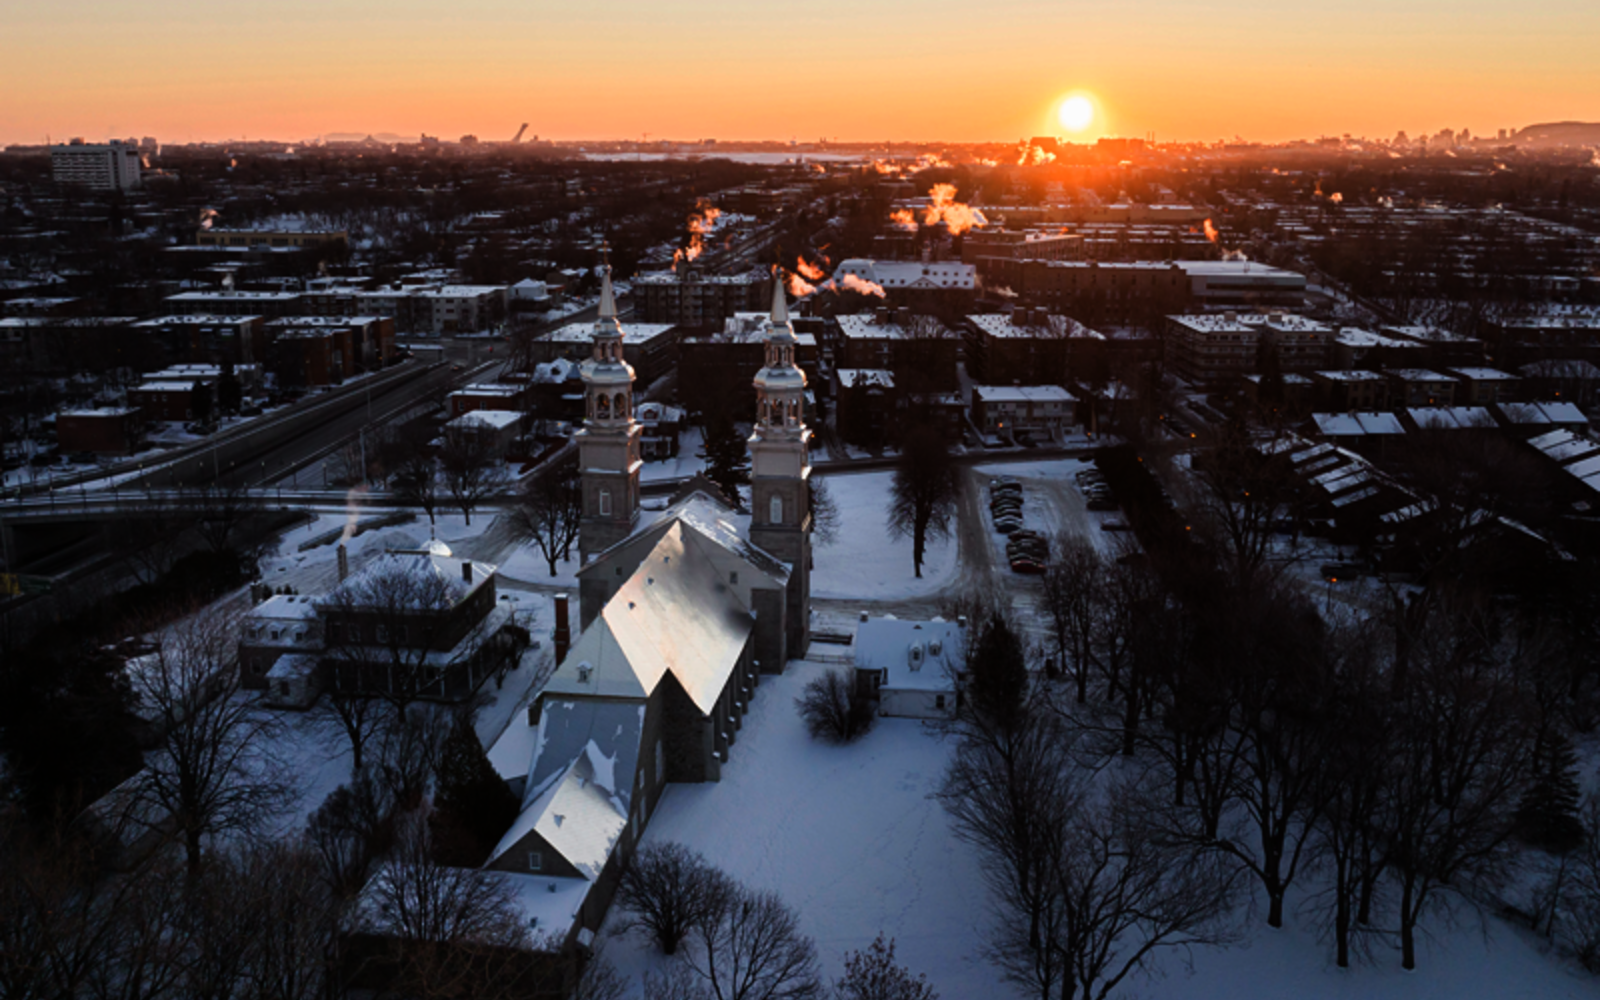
[{"x": 688, "y": 69}]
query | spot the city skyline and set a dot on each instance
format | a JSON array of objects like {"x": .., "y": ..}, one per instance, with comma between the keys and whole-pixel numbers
[{"x": 186, "y": 71}]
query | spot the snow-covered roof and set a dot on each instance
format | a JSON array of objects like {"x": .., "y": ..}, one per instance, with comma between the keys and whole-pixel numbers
[
  {"x": 851, "y": 378},
  {"x": 496, "y": 419},
  {"x": 675, "y": 614},
  {"x": 1450, "y": 417},
  {"x": 580, "y": 804},
  {"x": 1023, "y": 394},
  {"x": 1484, "y": 374},
  {"x": 1001, "y": 325},
  {"x": 913, "y": 655},
  {"x": 910, "y": 274},
  {"x": 1357, "y": 424},
  {"x": 866, "y": 326},
  {"x": 449, "y": 571},
  {"x": 634, "y": 333},
  {"x": 1354, "y": 375}
]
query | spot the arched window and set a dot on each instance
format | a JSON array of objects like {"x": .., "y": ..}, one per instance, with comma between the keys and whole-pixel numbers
[
  {"x": 775, "y": 510},
  {"x": 605, "y": 503},
  {"x": 766, "y": 412},
  {"x": 620, "y": 407},
  {"x": 602, "y": 407}
]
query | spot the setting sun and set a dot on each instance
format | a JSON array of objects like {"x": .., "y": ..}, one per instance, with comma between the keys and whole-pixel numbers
[{"x": 1076, "y": 113}]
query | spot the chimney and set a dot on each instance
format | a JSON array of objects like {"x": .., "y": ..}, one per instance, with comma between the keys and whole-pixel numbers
[
  {"x": 563, "y": 632},
  {"x": 864, "y": 616},
  {"x": 534, "y": 711},
  {"x": 883, "y": 315},
  {"x": 466, "y": 571},
  {"x": 344, "y": 562}
]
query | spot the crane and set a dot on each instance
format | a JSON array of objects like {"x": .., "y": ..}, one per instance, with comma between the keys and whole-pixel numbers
[{"x": 518, "y": 137}]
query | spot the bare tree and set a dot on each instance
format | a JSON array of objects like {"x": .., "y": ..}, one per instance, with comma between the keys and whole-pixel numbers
[
  {"x": 548, "y": 512},
  {"x": 873, "y": 974},
  {"x": 472, "y": 469},
  {"x": 1124, "y": 893},
  {"x": 824, "y": 511},
  {"x": 834, "y": 708},
  {"x": 349, "y": 831},
  {"x": 222, "y": 508},
  {"x": 751, "y": 948},
  {"x": 922, "y": 500},
  {"x": 670, "y": 889},
  {"x": 213, "y": 769},
  {"x": 447, "y": 932},
  {"x": 1073, "y": 585},
  {"x": 391, "y": 632},
  {"x": 416, "y": 483},
  {"x": 1245, "y": 490},
  {"x": 1457, "y": 776}
]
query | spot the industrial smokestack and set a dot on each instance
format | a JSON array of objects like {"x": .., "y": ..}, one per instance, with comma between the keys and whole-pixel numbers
[
  {"x": 344, "y": 562},
  {"x": 563, "y": 631}
]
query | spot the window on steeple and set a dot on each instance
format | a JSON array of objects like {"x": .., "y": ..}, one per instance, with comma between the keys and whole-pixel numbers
[
  {"x": 603, "y": 407},
  {"x": 605, "y": 503},
  {"x": 775, "y": 510}
]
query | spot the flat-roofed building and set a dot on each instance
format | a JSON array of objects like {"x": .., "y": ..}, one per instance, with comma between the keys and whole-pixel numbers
[
  {"x": 1017, "y": 409},
  {"x": 1349, "y": 390},
  {"x": 651, "y": 348},
  {"x": 107, "y": 430},
  {"x": 1414, "y": 387},
  {"x": 168, "y": 400},
  {"x": 488, "y": 396},
  {"x": 1029, "y": 347},
  {"x": 113, "y": 166},
  {"x": 1212, "y": 350},
  {"x": 1482, "y": 386},
  {"x": 202, "y": 337},
  {"x": 690, "y": 297}
]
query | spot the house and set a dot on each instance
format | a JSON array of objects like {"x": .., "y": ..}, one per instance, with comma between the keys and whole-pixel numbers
[
  {"x": 661, "y": 425},
  {"x": 1045, "y": 410},
  {"x": 865, "y": 405},
  {"x": 281, "y": 626},
  {"x": 914, "y": 668},
  {"x": 418, "y": 622},
  {"x": 490, "y": 431}
]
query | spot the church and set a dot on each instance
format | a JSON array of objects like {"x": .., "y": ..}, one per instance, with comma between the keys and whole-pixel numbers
[{"x": 680, "y": 617}]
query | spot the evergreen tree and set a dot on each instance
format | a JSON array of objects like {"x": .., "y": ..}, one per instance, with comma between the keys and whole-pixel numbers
[
  {"x": 727, "y": 458},
  {"x": 999, "y": 674},
  {"x": 1548, "y": 814},
  {"x": 473, "y": 806}
]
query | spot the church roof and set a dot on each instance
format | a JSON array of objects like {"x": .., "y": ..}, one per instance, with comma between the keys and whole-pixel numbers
[
  {"x": 674, "y": 614},
  {"x": 580, "y": 781}
]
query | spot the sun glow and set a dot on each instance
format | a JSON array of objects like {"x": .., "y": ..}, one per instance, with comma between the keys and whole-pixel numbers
[{"x": 1076, "y": 113}]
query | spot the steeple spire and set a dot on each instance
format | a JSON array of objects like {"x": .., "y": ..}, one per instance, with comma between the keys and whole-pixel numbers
[
  {"x": 608, "y": 298},
  {"x": 780, "y": 304}
]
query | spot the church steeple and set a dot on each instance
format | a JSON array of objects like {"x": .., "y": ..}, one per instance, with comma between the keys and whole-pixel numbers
[
  {"x": 608, "y": 444},
  {"x": 780, "y": 466}
]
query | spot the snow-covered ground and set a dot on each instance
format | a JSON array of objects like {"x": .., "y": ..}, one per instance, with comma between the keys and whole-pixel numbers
[
  {"x": 688, "y": 461},
  {"x": 846, "y": 835},
  {"x": 849, "y": 837},
  {"x": 865, "y": 561}
]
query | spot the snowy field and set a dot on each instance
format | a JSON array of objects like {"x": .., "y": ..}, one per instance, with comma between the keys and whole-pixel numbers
[
  {"x": 849, "y": 837},
  {"x": 864, "y": 561},
  {"x": 846, "y": 835}
]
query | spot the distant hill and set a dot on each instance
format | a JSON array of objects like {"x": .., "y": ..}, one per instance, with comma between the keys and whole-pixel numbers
[{"x": 1559, "y": 134}]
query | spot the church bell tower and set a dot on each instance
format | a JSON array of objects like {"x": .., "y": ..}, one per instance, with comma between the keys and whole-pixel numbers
[
  {"x": 608, "y": 444},
  {"x": 780, "y": 467}
]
